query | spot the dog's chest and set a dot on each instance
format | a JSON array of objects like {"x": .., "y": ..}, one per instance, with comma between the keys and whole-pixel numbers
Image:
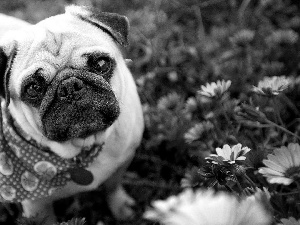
[
  {"x": 29, "y": 171},
  {"x": 26, "y": 174}
]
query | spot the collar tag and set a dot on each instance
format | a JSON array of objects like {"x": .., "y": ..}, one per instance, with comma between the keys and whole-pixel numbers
[{"x": 81, "y": 176}]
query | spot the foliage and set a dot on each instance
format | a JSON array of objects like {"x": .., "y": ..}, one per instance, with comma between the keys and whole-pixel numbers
[{"x": 178, "y": 48}]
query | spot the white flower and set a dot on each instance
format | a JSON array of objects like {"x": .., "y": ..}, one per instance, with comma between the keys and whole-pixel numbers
[
  {"x": 207, "y": 208},
  {"x": 170, "y": 101},
  {"x": 283, "y": 166},
  {"x": 286, "y": 36},
  {"x": 215, "y": 89},
  {"x": 271, "y": 86},
  {"x": 231, "y": 154},
  {"x": 196, "y": 132},
  {"x": 243, "y": 37},
  {"x": 191, "y": 104}
]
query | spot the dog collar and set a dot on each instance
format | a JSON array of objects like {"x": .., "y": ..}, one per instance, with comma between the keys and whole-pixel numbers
[{"x": 31, "y": 171}]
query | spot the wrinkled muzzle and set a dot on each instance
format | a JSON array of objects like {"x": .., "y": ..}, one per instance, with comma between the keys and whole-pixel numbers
[{"x": 77, "y": 104}]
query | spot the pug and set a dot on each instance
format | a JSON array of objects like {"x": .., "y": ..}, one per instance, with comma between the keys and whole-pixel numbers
[{"x": 71, "y": 117}]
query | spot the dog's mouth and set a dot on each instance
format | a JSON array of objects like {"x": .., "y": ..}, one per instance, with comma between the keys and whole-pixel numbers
[
  {"x": 84, "y": 143},
  {"x": 79, "y": 125}
]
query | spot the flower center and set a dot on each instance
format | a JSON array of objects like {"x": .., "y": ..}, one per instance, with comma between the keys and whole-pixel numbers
[{"x": 293, "y": 172}]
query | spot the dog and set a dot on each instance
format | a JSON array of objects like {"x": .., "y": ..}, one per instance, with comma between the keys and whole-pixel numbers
[{"x": 71, "y": 117}]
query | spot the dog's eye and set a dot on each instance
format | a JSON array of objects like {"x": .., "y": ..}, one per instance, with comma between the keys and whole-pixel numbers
[
  {"x": 101, "y": 64},
  {"x": 34, "y": 89}
]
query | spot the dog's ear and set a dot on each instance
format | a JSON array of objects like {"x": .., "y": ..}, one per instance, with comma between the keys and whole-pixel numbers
[
  {"x": 114, "y": 24},
  {"x": 5, "y": 67}
]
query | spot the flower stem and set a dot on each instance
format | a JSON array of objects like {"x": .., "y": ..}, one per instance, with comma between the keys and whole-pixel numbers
[
  {"x": 239, "y": 185},
  {"x": 228, "y": 188},
  {"x": 277, "y": 112},
  {"x": 290, "y": 104},
  {"x": 298, "y": 187},
  {"x": 250, "y": 181},
  {"x": 226, "y": 115},
  {"x": 282, "y": 128},
  {"x": 213, "y": 183},
  {"x": 217, "y": 130}
]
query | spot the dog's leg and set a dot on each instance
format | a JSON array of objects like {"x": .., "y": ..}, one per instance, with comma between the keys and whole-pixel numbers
[
  {"x": 42, "y": 210},
  {"x": 119, "y": 202}
]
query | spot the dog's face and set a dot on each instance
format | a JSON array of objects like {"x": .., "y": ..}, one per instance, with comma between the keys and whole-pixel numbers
[{"x": 61, "y": 78}]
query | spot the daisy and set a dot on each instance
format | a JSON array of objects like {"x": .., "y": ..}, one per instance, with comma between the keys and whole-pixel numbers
[
  {"x": 170, "y": 101},
  {"x": 196, "y": 132},
  {"x": 215, "y": 89},
  {"x": 242, "y": 37},
  {"x": 272, "y": 86},
  {"x": 191, "y": 104},
  {"x": 283, "y": 36},
  {"x": 231, "y": 154},
  {"x": 283, "y": 166},
  {"x": 207, "y": 208}
]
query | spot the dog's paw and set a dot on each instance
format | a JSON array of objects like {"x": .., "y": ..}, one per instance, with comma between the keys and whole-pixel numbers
[{"x": 121, "y": 204}]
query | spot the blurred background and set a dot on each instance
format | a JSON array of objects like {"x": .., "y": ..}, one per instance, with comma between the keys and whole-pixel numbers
[{"x": 176, "y": 46}]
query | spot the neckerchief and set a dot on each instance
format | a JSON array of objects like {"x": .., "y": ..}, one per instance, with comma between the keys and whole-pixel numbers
[{"x": 29, "y": 170}]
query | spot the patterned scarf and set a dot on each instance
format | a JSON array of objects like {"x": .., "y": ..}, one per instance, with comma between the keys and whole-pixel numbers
[{"x": 30, "y": 171}]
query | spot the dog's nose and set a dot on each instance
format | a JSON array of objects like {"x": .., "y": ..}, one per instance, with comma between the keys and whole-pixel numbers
[{"x": 70, "y": 89}]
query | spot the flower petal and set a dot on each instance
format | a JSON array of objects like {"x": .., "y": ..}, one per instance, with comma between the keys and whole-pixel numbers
[
  {"x": 227, "y": 151},
  {"x": 277, "y": 160},
  {"x": 241, "y": 158},
  {"x": 280, "y": 180},
  {"x": 236, "y": 150},
  {"x": 295, "y": 152},
  {"x": 280, "y": 153},
  {"x": 220, "y": 152},
  {"x": 267, "y": 171},
  {"x": 274, "y": 166}
]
